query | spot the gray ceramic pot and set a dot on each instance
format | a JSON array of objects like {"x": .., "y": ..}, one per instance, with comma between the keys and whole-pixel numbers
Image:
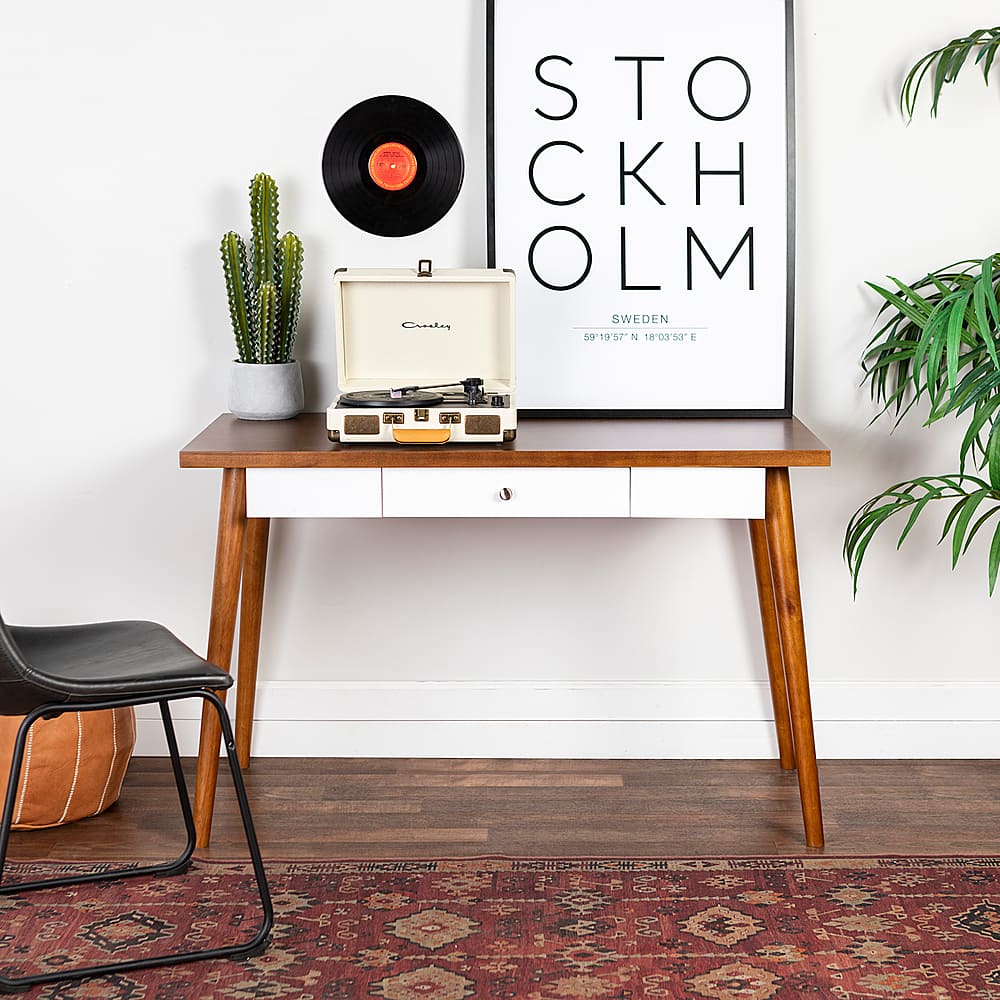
[{"x": 265, "y": 392}]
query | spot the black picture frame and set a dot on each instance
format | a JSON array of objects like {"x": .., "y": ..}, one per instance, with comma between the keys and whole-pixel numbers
[{"x": 783, "y": 409}]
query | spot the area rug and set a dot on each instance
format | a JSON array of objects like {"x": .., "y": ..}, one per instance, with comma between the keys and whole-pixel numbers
[{"x": 504, "y": 929}]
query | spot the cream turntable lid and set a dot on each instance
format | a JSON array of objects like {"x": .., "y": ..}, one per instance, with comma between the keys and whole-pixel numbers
[{"x": 401, "y": 326}]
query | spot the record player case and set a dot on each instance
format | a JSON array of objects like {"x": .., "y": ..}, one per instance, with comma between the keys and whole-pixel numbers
[{"x": 424, "y": 356}]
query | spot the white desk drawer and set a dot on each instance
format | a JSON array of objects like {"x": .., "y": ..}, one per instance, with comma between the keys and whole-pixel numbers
[
  {"x": 314, "y": 492},
  {"x": 481, "y": 492},
  {"x": 698, "y": 493}
]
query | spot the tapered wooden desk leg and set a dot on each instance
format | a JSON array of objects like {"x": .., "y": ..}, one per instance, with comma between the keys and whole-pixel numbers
[
  {"x": 772, "y": 644},
  {"x": 225, "y": 599},
  {"x": 788, "y": 601},
  {"x": 251, "y": 611}
]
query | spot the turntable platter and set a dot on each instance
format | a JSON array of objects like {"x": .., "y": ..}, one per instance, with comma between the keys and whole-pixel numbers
[{"x": 383, "y": 398}]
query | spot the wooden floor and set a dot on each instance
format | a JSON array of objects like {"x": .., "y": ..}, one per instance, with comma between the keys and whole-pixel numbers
[{"x": 376, "y": 808}]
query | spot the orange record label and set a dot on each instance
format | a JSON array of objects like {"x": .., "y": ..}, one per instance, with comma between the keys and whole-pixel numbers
[{"x": 392, "y": 166}]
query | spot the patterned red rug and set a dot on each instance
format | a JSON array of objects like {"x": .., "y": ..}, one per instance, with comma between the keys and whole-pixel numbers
[{"x": 733, "y": 929}]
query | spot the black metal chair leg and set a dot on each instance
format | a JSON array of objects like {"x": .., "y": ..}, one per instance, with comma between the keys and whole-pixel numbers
[
  {"x": 183, "y": 861},
  {"x": 229, "y": 743},
  {"x": 17, "y": 758},
  {"x": 242, "y": 950}
]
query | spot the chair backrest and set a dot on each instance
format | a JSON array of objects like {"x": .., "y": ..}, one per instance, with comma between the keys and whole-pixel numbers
[{"x": 20, "y": 687}]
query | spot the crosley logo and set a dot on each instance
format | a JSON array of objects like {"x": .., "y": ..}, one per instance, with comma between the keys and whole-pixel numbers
[{"x": 410, "y": 325}]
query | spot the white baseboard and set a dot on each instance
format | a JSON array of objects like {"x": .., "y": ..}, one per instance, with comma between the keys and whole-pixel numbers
[{"x": 662, "y": 720}]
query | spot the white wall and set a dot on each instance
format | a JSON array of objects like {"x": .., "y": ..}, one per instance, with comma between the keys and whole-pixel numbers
[{"x": 129, "y": 139}]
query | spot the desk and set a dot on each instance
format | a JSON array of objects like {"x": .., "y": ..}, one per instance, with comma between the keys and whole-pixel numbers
[{"x": 555, "y": 468}]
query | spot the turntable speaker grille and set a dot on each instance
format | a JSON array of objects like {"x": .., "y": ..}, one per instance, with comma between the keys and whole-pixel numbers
[
  {"x": 361, "y": 423},
  {"x": 482, "y": 423}
]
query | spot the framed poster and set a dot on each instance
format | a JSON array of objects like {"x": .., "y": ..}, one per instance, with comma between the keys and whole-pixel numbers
[{"x": 640, "y": 183}]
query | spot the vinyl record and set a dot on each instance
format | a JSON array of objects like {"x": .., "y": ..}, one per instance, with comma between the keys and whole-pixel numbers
[
  {"x": 383, "y": 397},
  {"x": 392, "y": 165}
]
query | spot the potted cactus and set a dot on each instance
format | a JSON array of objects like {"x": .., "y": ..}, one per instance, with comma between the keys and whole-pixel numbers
[{"x": 264, "y": 288}]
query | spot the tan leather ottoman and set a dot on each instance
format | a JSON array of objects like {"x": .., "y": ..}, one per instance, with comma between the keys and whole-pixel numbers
[{"x": 73, "y": 765}]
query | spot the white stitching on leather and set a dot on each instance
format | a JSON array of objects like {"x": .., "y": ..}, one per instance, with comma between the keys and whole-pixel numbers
[
  {"x": 76, "y": 766},
  {"x": 114, "y": 758},
  {"x": 25, "y": 768}
]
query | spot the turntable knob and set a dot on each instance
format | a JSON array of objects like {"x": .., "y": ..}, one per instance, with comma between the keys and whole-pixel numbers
[{"x": 505, "y": 493}]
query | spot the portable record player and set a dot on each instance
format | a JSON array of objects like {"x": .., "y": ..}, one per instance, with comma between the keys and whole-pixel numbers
[{"x": 424, "y": 356}]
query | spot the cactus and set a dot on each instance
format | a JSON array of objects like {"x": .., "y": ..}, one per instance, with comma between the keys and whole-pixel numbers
[
  {"x": 264, "y": 222},
  {"x": 265, "y": 286},
  {"x": 268, "y": 317},
  {"x": 234, "y": 266},
  {"x": 291, "y": 290}
]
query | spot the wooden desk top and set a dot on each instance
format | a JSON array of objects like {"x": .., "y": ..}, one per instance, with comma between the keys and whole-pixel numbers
[{"x": 302, "y": 443}]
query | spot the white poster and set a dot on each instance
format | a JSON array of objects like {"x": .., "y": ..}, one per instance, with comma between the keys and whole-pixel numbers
[{"x": 641, "y": 192}]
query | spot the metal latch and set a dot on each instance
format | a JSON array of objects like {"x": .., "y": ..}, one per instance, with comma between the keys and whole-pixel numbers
[{"x": 424, "y": 269}]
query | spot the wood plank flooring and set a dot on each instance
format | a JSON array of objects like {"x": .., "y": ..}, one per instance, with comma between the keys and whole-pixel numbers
[{"x": 378, "y": 808}]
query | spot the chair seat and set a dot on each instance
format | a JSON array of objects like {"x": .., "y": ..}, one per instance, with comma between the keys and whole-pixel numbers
[{"x": 86, "y": 663}]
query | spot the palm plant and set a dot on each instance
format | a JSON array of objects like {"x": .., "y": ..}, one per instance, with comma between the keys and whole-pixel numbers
[{"x": 938, "y": 341}]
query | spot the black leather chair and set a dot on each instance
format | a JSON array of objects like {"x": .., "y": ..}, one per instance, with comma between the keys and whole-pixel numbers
[{"x": 46, "y": 671}]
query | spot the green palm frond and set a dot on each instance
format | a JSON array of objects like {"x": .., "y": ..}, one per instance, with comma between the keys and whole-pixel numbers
[
  {"x": 970, "y": 497},
  {"x": 943, "y": 66},
  {"x": 939, "y": 339}
]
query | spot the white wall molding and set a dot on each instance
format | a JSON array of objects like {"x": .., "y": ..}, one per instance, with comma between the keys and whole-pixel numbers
[{"x": 617, "y": 719}]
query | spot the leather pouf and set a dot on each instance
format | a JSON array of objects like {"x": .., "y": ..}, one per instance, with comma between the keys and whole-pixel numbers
[{"x": 73, "y": 765}]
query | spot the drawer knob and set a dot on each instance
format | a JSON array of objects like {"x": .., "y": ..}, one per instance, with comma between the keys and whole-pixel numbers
[{"x": 505, "y": 493}]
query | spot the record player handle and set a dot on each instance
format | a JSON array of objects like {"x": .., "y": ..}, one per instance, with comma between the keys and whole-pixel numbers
[{"x": 505, "y": 493}]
